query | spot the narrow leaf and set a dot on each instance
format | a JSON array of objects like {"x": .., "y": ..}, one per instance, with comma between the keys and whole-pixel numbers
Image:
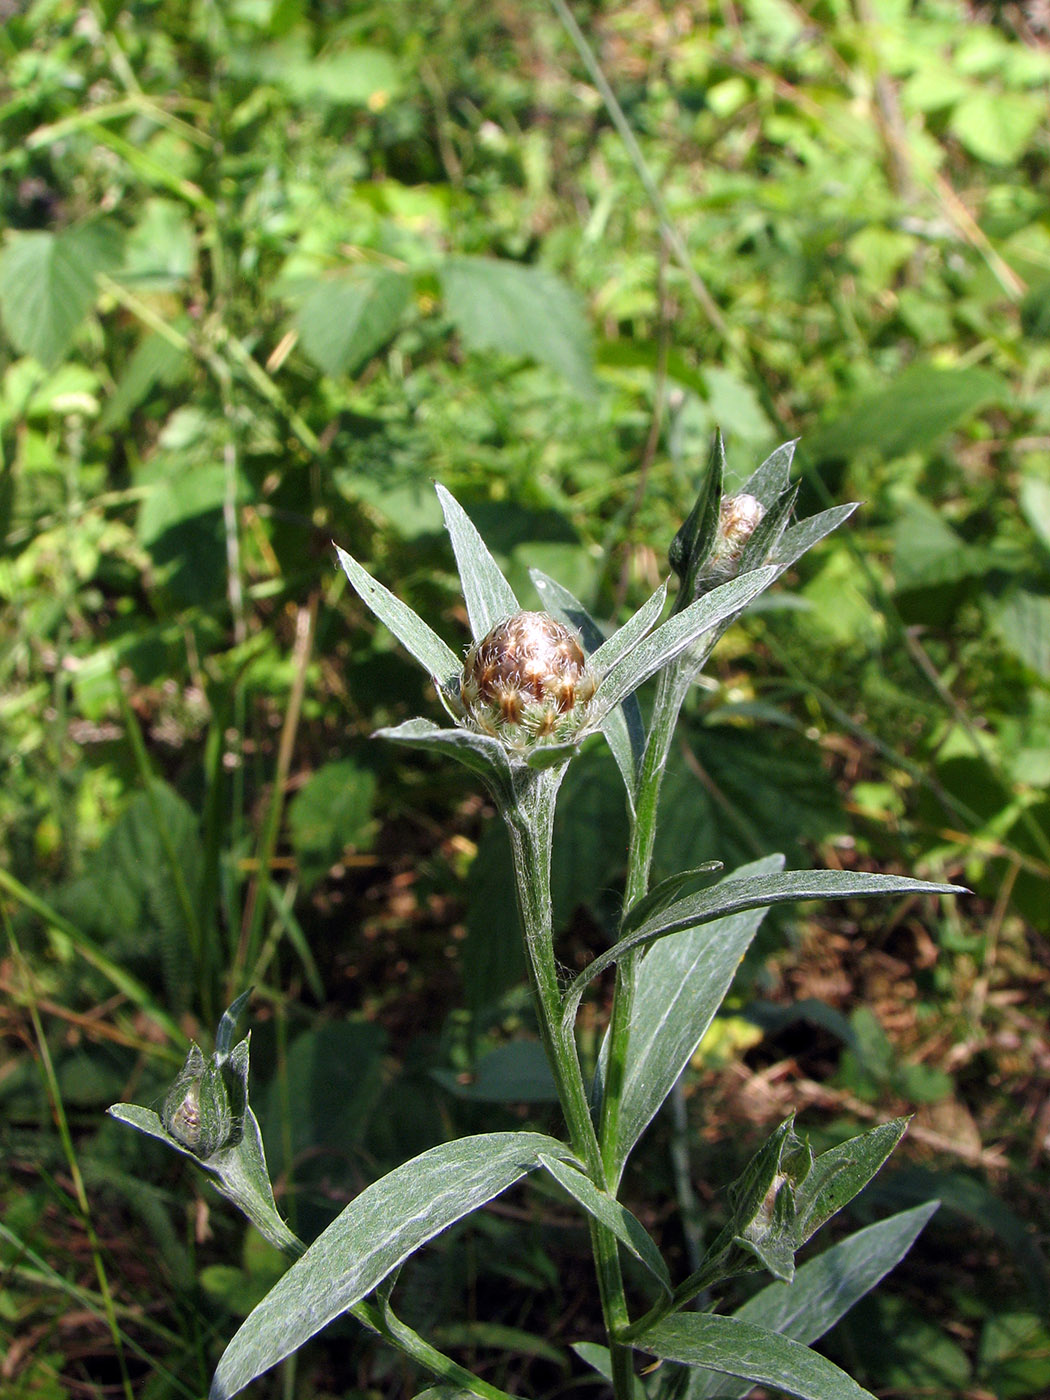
[
  {"x": 520, "y": 310},
  {"x": 489, "y": 597},
  {"x": 609, "y": 1212},
  {"x": 771, "y": 479},
  {"x": 661, "y": 895},
  {"x": 729, "y": 896},
  {"x": 479, "y": 752},
  {"x": 627, "y": 637},
  {"x": 741, "y": 1349},
  {"x": 798, "y": 538},
  {"x": 692, "y": 544},
  {"x": 679, "y": 633},
  {"x": 838, "y": 1174},
  {"x": 410, "y": 629},
  {"x": 823, "y": 1291},
  {"x": 680, "y": 986},
  {"x": 376, "y": 1233}
]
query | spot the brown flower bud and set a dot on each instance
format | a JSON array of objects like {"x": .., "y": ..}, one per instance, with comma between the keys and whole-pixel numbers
[{"x": 527, "y": 681}]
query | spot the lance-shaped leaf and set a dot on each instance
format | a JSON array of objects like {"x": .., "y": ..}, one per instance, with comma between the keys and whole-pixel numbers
[
  {"x": 839, "y": 1173},
  {"x": 681, "y": 983},
  {"x": 677, "y": 635},
  {"x": 769, "y": 481},
  {"x": 696, "y": 536},
  {"x": 822, "y": 1292},
  {"x": 796, "y": 539},
  {"x": 622, "y": 726},
  {"x": 627, "y": 1228},
  {"x": 479, "y": 752},
  {"x": 410, "y": 629},
  {"x": 489, "y": 597},
  {"x": 737, "y": 1348},
  {"x": 661, "y": 895},
  {"x": 376, "y": 1233},
  {"x": 730, "y": 896},
  {"x": 238, "y": 1173}
]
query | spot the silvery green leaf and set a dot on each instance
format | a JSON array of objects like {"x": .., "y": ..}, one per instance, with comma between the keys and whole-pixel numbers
[
  {"x": 410, "y": 629},
  {"x": 681, "y": 983},
  {"x": 615, "y": 1217},
  {"x": 372, "y": 1237},
  {"x": 822, "y": 1292},
  {"x": 661, "y": 895},
  {"x": 839, "y": 1173},
  {"x": 765, "y": 537},
  {"x": 622, "y": 726},
  {"x": 238, "y": 1173},
  {"x": 798, "y": 538},
  {"x": 677, "y": 635},
  {"x": 479, "y": 752},
  {"x": 737, "y": 1348},
  {"x": 489, "y": 597},
  {"x": 731, "y": 895},
  {"x": 771, "y": 479}
]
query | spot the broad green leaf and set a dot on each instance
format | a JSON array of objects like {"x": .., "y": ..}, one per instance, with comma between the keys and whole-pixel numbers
[
  {"x": 513, "y": 1073},
  {"x": 410, "y": 629},
  {"x": 331, "y": 812},
  {"x": 914, "y": 410},
  {"x": 161, "y": 250},
  {"x": 153, "y": 360},
  {"x": 481, "y": 754},
  {"x": 344, "y": 321},
  {"x": 353, "y": 76},
  {"x": 489, "y": 597},
  {"x": 681, "y": 984},
  {"x": 47, "y": 286},
  {"x": 677, "y": 635},
  {"x": 520, "y": 310},
  {"x": 376, "y": 1233},
  {"x": 736, "y": 1348},
  {"x": 997, "y": 126},
  {"x": 610, "y": 1213},
  {"x": 735, "y": 894},
  {"x": 838, "y": 1174},
  {"x": 1022, "y": 620},
  {"x": 822, "y": 1292}
]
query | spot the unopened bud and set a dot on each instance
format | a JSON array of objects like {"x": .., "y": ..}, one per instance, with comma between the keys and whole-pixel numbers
[
  {"x": 527, "y": 681},
  {"x": 738, "y": 518},
  {"x": 197, "y": 1111}
]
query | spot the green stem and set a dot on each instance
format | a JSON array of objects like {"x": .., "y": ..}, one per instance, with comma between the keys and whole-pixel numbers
[
  {"x": 530, "y": 823},
  {"x": 671, "y": 690}
]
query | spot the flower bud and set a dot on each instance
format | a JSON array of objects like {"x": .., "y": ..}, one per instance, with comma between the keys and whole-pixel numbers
[
  {"x": 527, "y": 681},
  {"x": 197, "y": 1111},
  {"x": 738, "y": 518}
]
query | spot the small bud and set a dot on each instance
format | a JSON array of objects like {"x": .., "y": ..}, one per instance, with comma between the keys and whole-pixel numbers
[
  {"x": 738, "y": 518},
  {"x": 527, "y": 681},
  {"x": 197, "y": 1111}
]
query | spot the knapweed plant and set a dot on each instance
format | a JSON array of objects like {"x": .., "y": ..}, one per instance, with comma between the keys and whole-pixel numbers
[{"x": 533, "y": 685}]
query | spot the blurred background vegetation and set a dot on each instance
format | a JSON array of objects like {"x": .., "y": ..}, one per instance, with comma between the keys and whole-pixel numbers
[{"x": 269, "y": 268}]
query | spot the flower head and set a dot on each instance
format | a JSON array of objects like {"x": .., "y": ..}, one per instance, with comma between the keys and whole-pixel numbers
[{"x": 534, "y": 684}]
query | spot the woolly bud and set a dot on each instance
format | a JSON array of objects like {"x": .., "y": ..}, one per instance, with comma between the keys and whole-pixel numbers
[
  {"x": 527, "y": 681},
  {"x": 198, "y": 1112}
]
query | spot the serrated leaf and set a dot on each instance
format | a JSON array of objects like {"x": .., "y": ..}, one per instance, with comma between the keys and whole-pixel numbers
[
  {"x": 47, "y": 286},
  {"x": 736, "y": 1348},
  {"x": 822, "y": 1291},
  {"x": 344, "y": 321},
  {"x": 407, "y": 626},
  {"x": 520, "y": 310},
  {"x": 489, "y": 597},
  {"x": 610, "y": 1213},
  {"x": 914, "y": 410},
  {"x": 376, "y": 1233}
]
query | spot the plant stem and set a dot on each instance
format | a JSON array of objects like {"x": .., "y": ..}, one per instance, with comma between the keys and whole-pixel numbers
[{"x": 530, "y": 823}]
